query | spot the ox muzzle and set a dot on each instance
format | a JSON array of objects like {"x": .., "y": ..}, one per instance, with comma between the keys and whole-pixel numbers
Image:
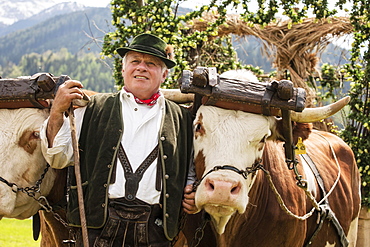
[{"x": 244, "y": 173}]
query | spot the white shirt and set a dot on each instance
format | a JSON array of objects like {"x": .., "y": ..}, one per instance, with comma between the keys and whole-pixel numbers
[{"x": 138, "y": 141}]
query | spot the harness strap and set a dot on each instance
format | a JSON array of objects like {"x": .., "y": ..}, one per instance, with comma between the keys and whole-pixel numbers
[
  {"x": 343, "y": 239},
  {"x": 36, "y": 225},
  {"x": 266, "y": 100},
  {"x": 133, "y": 179},
  {"x": 316, "y": 172},
  {"x": 325, "y": 212}
]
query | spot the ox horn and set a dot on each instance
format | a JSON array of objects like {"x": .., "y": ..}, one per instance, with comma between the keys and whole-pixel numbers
[
  {"x": 310, "y": 115},
  {"x": 176, "y": 96}
]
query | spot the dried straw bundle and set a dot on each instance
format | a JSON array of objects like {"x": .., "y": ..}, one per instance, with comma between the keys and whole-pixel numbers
[{"x": 293, "y": 47}]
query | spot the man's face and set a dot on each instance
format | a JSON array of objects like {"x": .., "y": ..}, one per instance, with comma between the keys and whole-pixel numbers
[{"x": 143, "y": 74}]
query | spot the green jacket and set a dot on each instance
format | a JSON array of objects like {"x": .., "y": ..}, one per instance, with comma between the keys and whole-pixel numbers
[{"x": 100, "y": 136}]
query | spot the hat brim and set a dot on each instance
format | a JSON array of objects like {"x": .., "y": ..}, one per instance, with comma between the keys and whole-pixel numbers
[{"x": 169, "y": 63}]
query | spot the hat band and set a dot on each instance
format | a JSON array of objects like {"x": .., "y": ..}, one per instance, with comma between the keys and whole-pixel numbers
[{"x": 148, "y": 48}]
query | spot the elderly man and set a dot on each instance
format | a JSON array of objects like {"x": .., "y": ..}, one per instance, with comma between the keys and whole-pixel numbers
[{"x": 135, "y": 152}]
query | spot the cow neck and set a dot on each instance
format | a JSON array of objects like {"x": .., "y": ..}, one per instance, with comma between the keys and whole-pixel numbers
[{"x": 133, "y": 178}]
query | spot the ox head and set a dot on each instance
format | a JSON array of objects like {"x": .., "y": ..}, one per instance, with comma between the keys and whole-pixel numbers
[
  {"x": 22, "y": 162},
  {"x": 234, "y": 139}
]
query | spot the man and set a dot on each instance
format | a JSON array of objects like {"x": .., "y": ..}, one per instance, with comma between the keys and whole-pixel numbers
[{"x": 135, "y": 151}]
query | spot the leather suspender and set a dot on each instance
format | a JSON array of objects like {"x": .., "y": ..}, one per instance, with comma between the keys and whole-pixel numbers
[{"x": 133, "y": 179}]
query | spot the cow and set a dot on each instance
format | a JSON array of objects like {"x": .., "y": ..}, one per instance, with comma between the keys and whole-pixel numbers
[
  {"x": 27, "y": 183},
  {"x": 21, "y": 164},
  {"x": 241, "y": 170}
]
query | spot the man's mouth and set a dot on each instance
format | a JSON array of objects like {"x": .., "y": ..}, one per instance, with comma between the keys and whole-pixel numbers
[{"x": 140, "y": 77}]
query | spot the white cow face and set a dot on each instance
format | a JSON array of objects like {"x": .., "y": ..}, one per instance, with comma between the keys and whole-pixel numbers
[
  {"x": 21, "y": 160},
  {"x": 227, "y": 137}
]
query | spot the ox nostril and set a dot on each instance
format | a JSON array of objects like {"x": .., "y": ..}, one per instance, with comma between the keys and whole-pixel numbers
[
  {"x": 235, "y": 189},
  {"x": 210, "y": 185}
]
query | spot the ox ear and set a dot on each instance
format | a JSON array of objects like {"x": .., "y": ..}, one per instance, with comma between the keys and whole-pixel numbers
[
  {"x": 302, "y": 130},
  {"x": 276, "y": 130},
  {"x": 46, "y": 112}
]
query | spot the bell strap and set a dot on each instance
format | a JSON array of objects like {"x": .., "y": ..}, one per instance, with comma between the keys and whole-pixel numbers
[{"x": 133, "y": 179}]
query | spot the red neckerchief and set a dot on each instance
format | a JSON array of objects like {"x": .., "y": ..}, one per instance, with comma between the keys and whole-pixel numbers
[{"x": 150, "y": 102}]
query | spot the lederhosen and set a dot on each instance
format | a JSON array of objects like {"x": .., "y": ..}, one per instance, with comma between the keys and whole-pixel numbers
[{"x": 131, "y": 221}]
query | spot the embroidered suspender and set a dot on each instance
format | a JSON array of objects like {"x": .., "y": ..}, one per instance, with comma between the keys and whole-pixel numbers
[{"x": 133, "y": 179}]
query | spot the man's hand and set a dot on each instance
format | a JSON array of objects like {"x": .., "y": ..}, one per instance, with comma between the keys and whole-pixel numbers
[
  {"x": 67, "y": 92},
  {"x": 188, "y": 203}
]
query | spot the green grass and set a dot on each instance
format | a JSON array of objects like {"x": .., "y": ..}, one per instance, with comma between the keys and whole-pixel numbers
[{"x": 17, "y": 233}]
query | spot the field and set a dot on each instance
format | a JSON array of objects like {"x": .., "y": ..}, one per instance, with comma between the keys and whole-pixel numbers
[{"x": 17, "y": 233}]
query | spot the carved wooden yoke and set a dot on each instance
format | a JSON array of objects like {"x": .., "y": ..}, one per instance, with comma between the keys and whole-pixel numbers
[
  {"x": 31, "y": 91},
  {"x": 267, "y": 98}
]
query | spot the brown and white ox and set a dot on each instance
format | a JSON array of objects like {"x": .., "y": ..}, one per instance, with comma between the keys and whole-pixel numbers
[
  {"x": 246, "y": 211},
  {"x": 27, "y": 184},
  {"x": 23, "y": 165}
]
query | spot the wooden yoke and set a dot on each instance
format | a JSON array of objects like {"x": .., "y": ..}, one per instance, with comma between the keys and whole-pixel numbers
[
  {"x": 267, "y": 98},
  {"x": 30, "y": 91},
  {"x": 34, "y": 91}
]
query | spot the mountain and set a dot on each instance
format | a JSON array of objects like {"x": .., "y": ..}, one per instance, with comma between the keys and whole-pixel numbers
[
  {"x": 57, "y": 9},
  {"x": 79, "y": 31},
  {"x": 15, "y": 10}
]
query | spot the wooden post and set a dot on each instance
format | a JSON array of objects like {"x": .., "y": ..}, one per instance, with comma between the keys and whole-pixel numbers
[{"x": 76, "y": 156}]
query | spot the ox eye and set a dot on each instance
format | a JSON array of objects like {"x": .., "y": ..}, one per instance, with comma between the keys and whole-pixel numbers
[
  {"x": 263, "y": 140},
  {"x": 36, "y": 134},
  {"x": 198, "y": 127}
]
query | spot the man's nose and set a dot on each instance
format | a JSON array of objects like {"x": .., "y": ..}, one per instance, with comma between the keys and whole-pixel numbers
[{"x": 141, "y": 66}]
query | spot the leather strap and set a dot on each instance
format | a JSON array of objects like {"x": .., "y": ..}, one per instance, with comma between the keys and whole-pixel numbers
[
  {"x": 316, "y": 172},
  {"x": 133, "y": 179},
  {"x": 36, "y": 226},
  {"x": 266, "y": 100},
  {"x": 326, "y": 212}
]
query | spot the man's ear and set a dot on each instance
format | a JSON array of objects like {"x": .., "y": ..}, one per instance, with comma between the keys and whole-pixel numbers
[{"x": 165, "y": 74}]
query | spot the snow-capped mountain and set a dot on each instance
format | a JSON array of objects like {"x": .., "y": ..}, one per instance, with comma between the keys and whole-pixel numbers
[
  {"x": 16, "y": 10},
  {"x": 21, "y": 14}
]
